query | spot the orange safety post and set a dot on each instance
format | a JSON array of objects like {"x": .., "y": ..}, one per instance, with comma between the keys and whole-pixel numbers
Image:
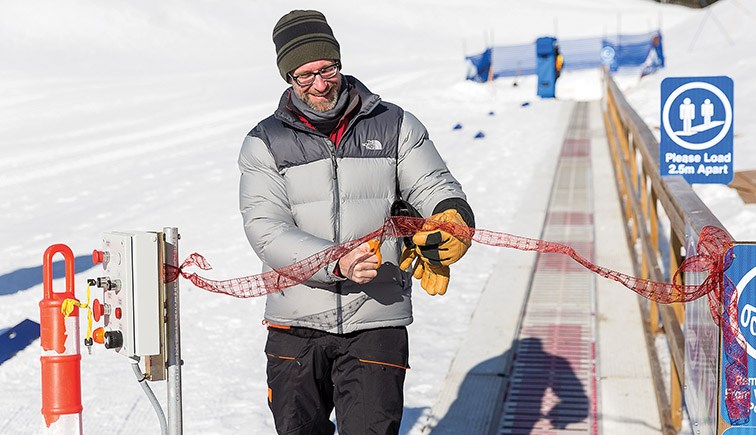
[{"x": 61, "y": 359}]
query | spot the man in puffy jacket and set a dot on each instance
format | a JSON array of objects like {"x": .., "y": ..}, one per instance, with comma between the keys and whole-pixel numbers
[{"x": 324, "y": 169}]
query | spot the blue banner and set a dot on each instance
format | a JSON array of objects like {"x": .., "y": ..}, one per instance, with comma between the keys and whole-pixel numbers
[{"x": 742, "y": 272}]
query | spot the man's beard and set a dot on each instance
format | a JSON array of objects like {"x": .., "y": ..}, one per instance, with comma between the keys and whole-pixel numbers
[{"x": 320, "y": 106}]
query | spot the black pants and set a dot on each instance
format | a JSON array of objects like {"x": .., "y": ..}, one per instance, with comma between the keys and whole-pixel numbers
[{"x": 361, "y": 374}]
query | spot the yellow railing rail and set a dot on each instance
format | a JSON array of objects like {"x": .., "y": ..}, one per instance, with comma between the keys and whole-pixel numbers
[{"x": 662, "y": 216}]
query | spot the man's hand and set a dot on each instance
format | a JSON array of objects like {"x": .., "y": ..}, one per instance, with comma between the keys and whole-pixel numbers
[
  {"x": 433, "y": 279},
  {"x": 361, "y": 263},
  {"x": 438, "y": 247}
]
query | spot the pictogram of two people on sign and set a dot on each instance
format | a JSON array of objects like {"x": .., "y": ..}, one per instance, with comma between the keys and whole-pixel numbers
[{"x": 688, "y": 114}]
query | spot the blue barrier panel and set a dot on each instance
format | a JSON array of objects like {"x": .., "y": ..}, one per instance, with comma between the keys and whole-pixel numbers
[
  {"x": 643, "y": 50},
  {"x": 584, "y": 53}
]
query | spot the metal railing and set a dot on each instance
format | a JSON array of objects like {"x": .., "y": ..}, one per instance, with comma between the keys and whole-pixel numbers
[{"x": 662, "y": 216}]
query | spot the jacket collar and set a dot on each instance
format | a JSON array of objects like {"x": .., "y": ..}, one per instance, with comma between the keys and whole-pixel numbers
[{"x": 368, "y": 102}]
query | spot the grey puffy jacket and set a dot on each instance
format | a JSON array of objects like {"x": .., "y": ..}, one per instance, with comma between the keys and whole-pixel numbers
[{"x": 300, "y": 194}]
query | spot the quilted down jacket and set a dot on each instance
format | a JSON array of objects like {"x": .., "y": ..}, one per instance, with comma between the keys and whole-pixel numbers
[{"x": 300, "y": 193}]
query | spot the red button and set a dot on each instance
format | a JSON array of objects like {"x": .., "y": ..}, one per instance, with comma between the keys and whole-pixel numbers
[
  {"x": 97, "y": 256},
  {"x": 118, "y": 313},
  {"x": 98, "y": 310}
]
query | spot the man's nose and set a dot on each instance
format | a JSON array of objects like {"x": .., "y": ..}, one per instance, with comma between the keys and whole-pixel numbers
[{"x": 320, "y": 84}]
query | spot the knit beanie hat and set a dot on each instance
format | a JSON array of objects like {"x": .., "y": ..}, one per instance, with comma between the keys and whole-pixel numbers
[{"x": 301, "y": 37}]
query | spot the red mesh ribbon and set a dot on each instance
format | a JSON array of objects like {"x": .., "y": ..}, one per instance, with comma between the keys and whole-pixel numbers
[{"x": 711, "y": 258}]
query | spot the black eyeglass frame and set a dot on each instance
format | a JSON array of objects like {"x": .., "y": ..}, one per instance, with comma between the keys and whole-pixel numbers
[{"x": 321, "y": 72}]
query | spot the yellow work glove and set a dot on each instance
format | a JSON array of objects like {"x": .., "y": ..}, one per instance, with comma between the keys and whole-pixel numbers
[
  {"x": 433, "y": 279},
  {"x": 438, "y": 247}
]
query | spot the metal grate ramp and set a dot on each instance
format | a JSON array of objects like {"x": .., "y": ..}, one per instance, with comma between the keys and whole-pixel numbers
[{"x": 552, "y": 387}]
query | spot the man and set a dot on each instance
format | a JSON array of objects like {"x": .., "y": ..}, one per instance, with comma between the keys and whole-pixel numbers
[{"x": 326, "y": 168}]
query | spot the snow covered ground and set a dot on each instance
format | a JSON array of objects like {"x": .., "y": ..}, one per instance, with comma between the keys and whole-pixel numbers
[{"x": 130, "y": 115}]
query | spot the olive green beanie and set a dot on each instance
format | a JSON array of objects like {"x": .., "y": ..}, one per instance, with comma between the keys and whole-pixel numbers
[{"x": 301, "y": 37}]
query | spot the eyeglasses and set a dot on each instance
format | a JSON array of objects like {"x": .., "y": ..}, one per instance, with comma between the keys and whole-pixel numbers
[{"x": 308, "y": 78}]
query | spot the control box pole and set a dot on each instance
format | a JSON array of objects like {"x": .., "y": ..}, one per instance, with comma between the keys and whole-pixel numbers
[{"x": 173, "y": 334}]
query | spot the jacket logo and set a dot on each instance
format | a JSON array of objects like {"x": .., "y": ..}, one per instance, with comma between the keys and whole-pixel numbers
[{"x": 372, "y": 144}]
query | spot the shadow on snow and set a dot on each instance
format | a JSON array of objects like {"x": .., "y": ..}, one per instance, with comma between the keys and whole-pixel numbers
[{"x": 26, "y": 278}]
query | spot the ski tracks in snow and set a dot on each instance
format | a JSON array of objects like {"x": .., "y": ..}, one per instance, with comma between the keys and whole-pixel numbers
[{"x": 97, "y": 138}]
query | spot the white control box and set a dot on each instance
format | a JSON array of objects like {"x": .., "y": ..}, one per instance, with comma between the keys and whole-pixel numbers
[{"x": 133, "y": 309}]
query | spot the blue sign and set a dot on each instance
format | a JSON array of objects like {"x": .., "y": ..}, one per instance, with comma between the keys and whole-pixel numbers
[
  {"x": 742, "y": 272},
  {"x": 697, "y": 129},
  {"x": 740, "y": 430},
  {"x": 609, "y": 56}
]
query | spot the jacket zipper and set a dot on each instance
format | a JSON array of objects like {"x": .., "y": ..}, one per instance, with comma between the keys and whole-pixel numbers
[
  {"x": 337, "y": 228},
  {"x": 336, "y": 194}
]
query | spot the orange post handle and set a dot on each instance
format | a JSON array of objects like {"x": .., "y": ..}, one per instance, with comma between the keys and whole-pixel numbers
[
  {"x": 61, "y": 367},
  {"x": 47, "y": 272},
  {"x": 51, "y": 321}
]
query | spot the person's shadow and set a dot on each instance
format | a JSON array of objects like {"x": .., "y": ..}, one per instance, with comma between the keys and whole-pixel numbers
[
  {"x": 543, "y": 391},
  {"x": 548, "y": 392}
]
